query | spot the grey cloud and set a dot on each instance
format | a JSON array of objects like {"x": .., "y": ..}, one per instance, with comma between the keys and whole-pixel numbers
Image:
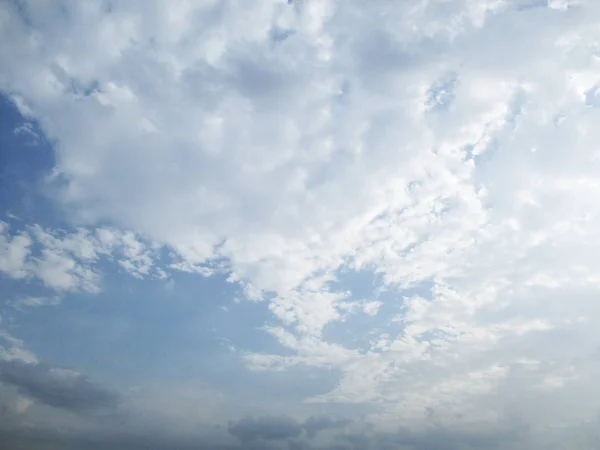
[
  {"x": 265, "y": 428},
  {"x": 265, "y": 432},
  {"x": 56, "y": 387},
  {"x": 51, "y": 439},
  {"x": 511, "y": 437},
  {"x": 314, "y": 424},
  {"x": 272, "y": 433}
]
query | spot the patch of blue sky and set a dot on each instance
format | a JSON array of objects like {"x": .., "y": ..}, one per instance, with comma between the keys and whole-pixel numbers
[
  {"x": 359, "y": 329},
  {"x": 592, "y": 97},
  {"x": 441, "y": 95},
  {"x": 278, "y": 35},
  {"x": 187, "y": 327},
  {"x": 531, "y": 4},
  {"x": 26, "y": 158}
]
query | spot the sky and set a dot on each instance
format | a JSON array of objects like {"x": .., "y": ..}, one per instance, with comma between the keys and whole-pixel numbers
[{"x": 300, "y": 224}]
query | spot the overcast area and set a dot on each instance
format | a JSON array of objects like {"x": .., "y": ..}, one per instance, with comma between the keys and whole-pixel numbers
[{"x": 300, "y": 224}]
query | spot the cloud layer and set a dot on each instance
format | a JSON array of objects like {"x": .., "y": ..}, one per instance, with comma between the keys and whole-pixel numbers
[{"x": 447, "y": 151}]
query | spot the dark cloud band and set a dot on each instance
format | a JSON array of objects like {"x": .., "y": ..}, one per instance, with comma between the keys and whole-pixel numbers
[{"x": 56, "y": 387}]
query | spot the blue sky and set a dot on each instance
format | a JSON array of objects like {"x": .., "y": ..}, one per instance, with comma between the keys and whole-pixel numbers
[{"x": 308, "y": 224}]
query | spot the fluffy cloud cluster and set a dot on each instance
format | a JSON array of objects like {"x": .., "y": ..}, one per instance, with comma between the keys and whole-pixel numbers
[
  {"x": 451, "y": 144},
  {"x": 66, "y": 261}
]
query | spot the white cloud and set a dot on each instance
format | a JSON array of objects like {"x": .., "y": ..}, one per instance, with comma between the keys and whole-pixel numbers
[
  {"x": 12, "y": 348},
  {"x": 61, "y": 272},
  {"x": 34, "y": 302},
  {"x": 14, "y": 251},
  {"x": 447, "y": 142},
  {"x": 372, "y": 308},
  {"x": 67, "y": 261}
]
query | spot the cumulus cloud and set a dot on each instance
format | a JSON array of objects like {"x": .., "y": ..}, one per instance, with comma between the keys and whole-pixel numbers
[
  {"x": 66, "y": 260},
  {"x": 15, "y": 250},
  {"x": 12, "y": 349}
]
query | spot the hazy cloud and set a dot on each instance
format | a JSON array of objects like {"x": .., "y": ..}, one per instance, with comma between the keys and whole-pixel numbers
[
  {"x": 59, "y": 388},
  {"x": 267, "y": 428},
  {"x": 314, "y": 424}
]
